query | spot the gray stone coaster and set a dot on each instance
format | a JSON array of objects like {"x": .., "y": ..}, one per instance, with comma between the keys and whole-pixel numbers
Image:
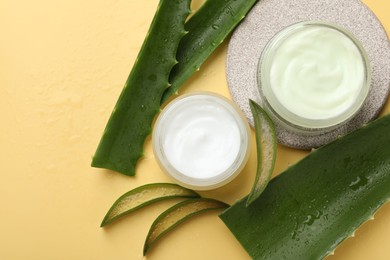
[{"x": 269, "y": 17}]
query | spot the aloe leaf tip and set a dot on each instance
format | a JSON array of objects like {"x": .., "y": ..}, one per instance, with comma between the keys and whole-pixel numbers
[{"x": 266, "y": 150}]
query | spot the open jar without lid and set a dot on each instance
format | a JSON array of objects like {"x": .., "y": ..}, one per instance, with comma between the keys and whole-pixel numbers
[
  {"x": 313, "y": 77},
  {"x": 201, "y": 140}
]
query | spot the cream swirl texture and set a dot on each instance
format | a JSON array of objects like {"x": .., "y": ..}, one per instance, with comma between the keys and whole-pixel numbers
[
  {"x": 201, "y": 138},
  {"x": 317, "y": 73}
]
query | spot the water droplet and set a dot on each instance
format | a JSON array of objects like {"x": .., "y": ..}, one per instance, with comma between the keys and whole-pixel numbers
[
  {"x": 143, "y": 107},
  {"x": 309, "y": 220},
  {"x": 293, "y": 235},
  {"x": 359, "y": 182}
]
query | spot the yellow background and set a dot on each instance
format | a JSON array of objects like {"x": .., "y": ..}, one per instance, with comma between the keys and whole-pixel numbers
[{"x": 62, "y": 67}]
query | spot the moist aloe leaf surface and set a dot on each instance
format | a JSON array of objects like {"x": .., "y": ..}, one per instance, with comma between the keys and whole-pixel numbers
[
  {"x": 121, "y": 145},
  {"x": 306, "y": 211},
  {"x": 207, "y": 29}
]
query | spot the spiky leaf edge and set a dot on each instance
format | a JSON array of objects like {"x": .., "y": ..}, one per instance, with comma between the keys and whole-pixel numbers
[{"x": 121, "y": 145}]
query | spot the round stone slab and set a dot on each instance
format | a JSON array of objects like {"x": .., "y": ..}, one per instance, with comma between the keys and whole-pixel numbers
[{"x": 268, "y": 17}]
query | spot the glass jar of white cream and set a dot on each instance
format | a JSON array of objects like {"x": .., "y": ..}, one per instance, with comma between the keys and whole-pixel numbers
[
  {"x": 313, "y": 77},
  {"x": 201, "y": 140}
]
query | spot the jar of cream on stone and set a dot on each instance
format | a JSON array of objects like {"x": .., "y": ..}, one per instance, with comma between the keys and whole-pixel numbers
[
  {"x": 201, "y": 140},
  {"x": 313, "y": 77}
]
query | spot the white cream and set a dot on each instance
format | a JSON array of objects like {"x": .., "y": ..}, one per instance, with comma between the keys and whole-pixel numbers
[
  {"x": 201, "y": 137},
  {"x": 316, "y": 73}
]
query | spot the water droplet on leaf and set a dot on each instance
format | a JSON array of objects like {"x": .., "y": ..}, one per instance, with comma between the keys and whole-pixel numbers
[{"x": 359, "y": 182}]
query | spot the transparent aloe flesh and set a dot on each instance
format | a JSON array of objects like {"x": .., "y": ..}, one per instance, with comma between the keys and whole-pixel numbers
[
  {"x": 177, "y": 214},
  {"x": 143, "y": 196},
  {"x": 266, "y": 150}
]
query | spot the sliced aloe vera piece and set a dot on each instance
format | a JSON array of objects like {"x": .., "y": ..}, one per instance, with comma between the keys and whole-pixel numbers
[
  {"x": 207, "y": 28},
  {"x": 178, "y": 213},
  {"x": 266, "y": 150},
  {"x": 305, "y": 212},
  {"x": 130, "y": 123},
  {"x": 144, "y": 196}
]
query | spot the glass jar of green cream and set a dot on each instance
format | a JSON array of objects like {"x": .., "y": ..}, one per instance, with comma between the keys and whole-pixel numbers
[{"x": 313, "y": 77}]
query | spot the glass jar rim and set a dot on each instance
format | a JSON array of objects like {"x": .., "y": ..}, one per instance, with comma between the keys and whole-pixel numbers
[
  {"x": 293, "y": 121},
  {"x": 202, "y": 183}
]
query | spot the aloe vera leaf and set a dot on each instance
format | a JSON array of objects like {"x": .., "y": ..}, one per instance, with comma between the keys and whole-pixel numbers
[
  {"x": 176, "y": 214},
  {"x": 305, "y": 212},
  {"x": 207, "y": 29},
  {"x": 266, "y": 151},
  {"x": 143, "y": 196},
  {"x": 130, "y": 123}
]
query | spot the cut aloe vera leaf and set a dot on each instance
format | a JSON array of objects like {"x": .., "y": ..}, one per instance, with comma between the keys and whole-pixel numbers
[
  {"x": 266, "y": 150},
  {"x": 143, "y": 196},
  {"x": 305, "y": 212},
  {"x": 130, "y": 123},
  {"x": 178, "y": 213},
  {"x": 207, "y": 29}
]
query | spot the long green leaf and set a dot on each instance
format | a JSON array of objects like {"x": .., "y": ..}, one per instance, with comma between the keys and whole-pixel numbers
[
  {"x": 130, "y": 123},
  {"x": 305, "y": 212},
  {"x": 207, "y": 29},
  {"x": 266, "y": 150}
]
